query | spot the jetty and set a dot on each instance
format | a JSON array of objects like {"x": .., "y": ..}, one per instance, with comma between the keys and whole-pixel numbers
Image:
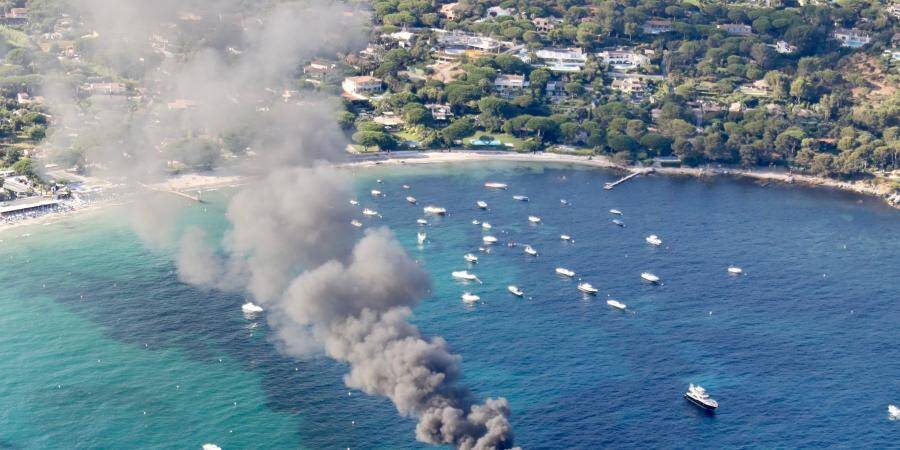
[
  {"x": 173, "y": 191},
  {"x": 635, "y": 173}
]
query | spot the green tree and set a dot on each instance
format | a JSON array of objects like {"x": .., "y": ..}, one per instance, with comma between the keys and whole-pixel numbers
[{"x": 457, "y": 130}]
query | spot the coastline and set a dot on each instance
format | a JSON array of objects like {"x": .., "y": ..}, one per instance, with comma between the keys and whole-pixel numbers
[{"x": 187, "y": 182}]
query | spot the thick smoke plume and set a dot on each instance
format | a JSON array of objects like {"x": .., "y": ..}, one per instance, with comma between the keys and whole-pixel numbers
[{"x": 291, "y": 246}]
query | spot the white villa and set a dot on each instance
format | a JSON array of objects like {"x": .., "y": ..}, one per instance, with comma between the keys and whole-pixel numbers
[
  {"x": 853, "y": 38},
  {"x": 562, "y": 59},
  {"x": 509, "y": 86},
  {"x": 361, "y": 88},
  {"x": 623, "y": 59}
]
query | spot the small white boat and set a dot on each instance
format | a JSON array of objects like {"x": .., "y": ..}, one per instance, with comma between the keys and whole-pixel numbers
[
  {"x": 356, "y": 223},
  {"x": 470, "y": 258},
  {"x": 564, "y": 202},
  {"x": 376, "y": 193},
  {"x": 565, "y": 272},
  {"x": 649, "y": 277},
  {"x": 421, "y": 236},
  {"x": 735, "y": 270},
  {"x": 534, "y": 219},
  {"x": 486, "y": 225},
  {"x": 481, "y": 204},
  {"x": 495, "y": 185},
  {"x": 565, "y": 237},
  {"x": 251, "y": 307},
  {"x": 370, "y": 212},
  {"x": 520, "y": 198},
  {"x": 587, "y": 288},
  {"x": 421, "y": 221},
  {"x": 893, "y": 412},
  {"x": 464, "y": 275},
  {"x": 616, "y": 212},
  {"x": 405, "y": 186},
  {"x": 476, "y": 222},
  {"x": 514, "y": 290},
  {"x": 489, "y": 240},
  {"x": 698, "y": 396},
  {"x": 354, "y": 202},
  {"x": 653, "y": 240},
  {"x": 469, "y": 297},
  {"x": 379, "y": 181},
  {"x": 616, "y": 304},
  {"x": 619, "y": 223},
  {"x": 436, "y": 210},
  {"x": 411, "y": 199},
  {"x": 529, "y": 250}
]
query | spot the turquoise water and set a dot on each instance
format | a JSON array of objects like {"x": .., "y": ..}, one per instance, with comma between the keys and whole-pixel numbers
[{"x": 102, "y": 347}]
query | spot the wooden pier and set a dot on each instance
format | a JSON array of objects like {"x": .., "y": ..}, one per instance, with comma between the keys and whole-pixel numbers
[
  {"x": 638, "y": 172},
  {"x": 172, "y": 191}
]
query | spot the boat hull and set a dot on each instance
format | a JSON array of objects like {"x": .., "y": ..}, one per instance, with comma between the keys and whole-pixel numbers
[{"x": 699, "y": 404}]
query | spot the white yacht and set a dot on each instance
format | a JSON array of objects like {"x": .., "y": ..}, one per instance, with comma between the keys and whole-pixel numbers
[
  {"x": 405, "y": 186},
  {"x": 421, "y": 236},
  {"x": 735, "y": 270},
  {"x": 370, "y": 212},
  {"x": 476, "y": 222},
  {"x": 654, "y": 240},
  {"x": 534, "y": 219},
  {"x": 481, "y": 204},
  {"x": 616, "y": 304},
  {"x": 587, "y": 288},
  {"x": 469, "y": 297},
  {"x": 489, "y": 240},
  {"x": 514, "y": 290},
  {"x": 379, "y": 181},
  {"x": 616, "y": 212},
  {"x": 495, "y": 185},
  {"x": 411, "y": 199},
  {"x": 649, "y": 277},
  {"x": 564, "y": 202},
  {"x": 530, "y": 250},
  {"x": 893, "y": 412},
  {"x": 470, "y": 258},
  {"x": 356, "y": 223},
  {"x": 565, "y": 237},
  {"x": 251, "y": 307},
  {"x": 464, "y": 275},
  {"x": 520, "y": 198},
  {"x": 376, "y": 193},
  {"x": 698, "y": 396},
  {"x": 486, "y": 225},
  {"x": 436, "y": 210},
  {"x": 354, "y": 202},
  {"x": 619, "y": 223},
  {"x": 422, "y": 222},
  {"x": 565, "y": 272}
]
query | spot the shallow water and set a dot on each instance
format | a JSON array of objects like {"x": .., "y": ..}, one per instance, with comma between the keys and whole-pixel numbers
[{"x": 102, "y": 347}]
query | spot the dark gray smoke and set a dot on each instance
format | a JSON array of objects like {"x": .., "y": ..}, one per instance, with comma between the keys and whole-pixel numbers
[{"x": 291, "y": 246}]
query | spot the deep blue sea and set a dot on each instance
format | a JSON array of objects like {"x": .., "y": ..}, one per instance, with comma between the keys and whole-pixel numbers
[{"x": 102, "y": 347}]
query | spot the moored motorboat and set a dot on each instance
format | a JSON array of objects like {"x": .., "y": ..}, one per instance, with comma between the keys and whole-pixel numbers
[
  {"x": 469, "y": 297},
  {"x": 619, "y": 223},
  {"x": 616, "y": 304},
  {"x": 616, "y": 212},
  {"x": 376, "y": 193},
  {"x": 698, "y": 396},
  {"x": 495, "y": 185},
  {"x": 481, "y": 204},
  {"x": 520, "y": 198},
  {"x": 530, "y": 250},
  {"x": 435, "y": 210},
  {"x": 354, "y": 202},
  {"x": 486, "y": 225},
  {"x": 463, "y": 275},
  {"x": 735, "y": 270},
  {"x": 893, "y": 412},
  {"x": 564, "y": 202},
  {"x": 476, "y": 222},
  {"x": 356, "y": 223},
  {"x": 470, "y": 258},
  {"x": 565, "y": 237},
  {"x": 405, "y": 186},
  {"x": 653, "y": 240},
  {"x": 411, "y": 199},
  {"x": 565, "y": 272},
  {"x": 587, "y": 288},
  {"x": 534, "y": 219},
  {"x": 422, "y": 222},
  {"x": 489, "y": 240},
  {"x": 370, "y": 212},
  {"x": 649, "y": 277},
  {"x": 514, "y": 290},
  {"x": 421, "y": 236}
]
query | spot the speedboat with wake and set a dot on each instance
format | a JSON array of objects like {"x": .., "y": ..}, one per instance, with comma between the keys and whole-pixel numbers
[
  {"x": 564, "y": 202},
  {"x": 411, "y": 200},
  {"x": 534, "y": 219},
  {"x": 354, "y": 202},
  {"x": 251, "y": 308},
  {"x": 698, "y": 396},
  {"x": 514, "y": 290},
  {"x": 370, "y": 212},
  {"x": 486, "y": 225},
  {"x": 520, "y": 198},
  {"x": 489, "y": 240},
  {"x": 464, "y": 275},
  {"x": 356, "y": 223},
  {"x": 566, "y": 237},
  {"x": 422, "y": 222},
  {"x": 893, "y": 412},
  {"x": 376, "y": 193},
  {"x": 735, "y": 270},
  {"x": 615, "y": 212}
]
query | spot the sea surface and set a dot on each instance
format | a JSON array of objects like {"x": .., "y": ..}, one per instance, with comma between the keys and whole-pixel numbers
[{"x": 102, "y": 347}]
